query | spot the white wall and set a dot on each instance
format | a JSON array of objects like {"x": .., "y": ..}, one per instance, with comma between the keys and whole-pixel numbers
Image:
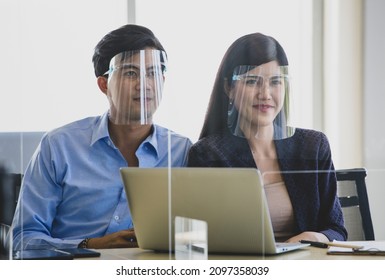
[
  {"x": 46, "y": 49},
  {"x": 374, "y": 114},
  {"x": 343, "y": 79}
]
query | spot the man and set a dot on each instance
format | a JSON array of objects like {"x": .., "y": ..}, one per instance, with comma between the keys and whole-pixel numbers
[{"x": 72, "y": 194}]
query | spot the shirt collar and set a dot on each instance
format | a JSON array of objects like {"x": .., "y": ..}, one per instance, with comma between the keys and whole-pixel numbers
[
  {"x": 101, "y": 129},
  {"x": 152, "y": 140},
  {"x": 101, "y": 132}
]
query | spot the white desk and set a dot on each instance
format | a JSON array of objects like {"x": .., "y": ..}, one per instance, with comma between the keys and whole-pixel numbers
[{"x": 307, "y": 253}]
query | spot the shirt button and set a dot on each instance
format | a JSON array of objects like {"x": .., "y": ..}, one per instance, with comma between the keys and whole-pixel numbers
[{"x": 116, "y": 218}]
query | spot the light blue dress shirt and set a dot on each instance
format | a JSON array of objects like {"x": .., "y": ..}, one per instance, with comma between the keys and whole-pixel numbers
[{"x": 72, "y": 187}]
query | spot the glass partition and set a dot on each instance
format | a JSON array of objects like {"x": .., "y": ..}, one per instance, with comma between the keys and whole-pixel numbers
[
  {"x": 239, "y": 208},
  {"x": 190, "y": 239},
  {"x": 202, "y": 213}
]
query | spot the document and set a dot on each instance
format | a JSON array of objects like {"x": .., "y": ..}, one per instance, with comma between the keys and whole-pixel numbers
[{"x": 368, "y": 248}]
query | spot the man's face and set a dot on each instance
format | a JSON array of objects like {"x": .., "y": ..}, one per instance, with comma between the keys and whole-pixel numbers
[{"x": 135, "y": 86}]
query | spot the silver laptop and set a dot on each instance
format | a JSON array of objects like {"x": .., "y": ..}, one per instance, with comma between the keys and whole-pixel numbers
[{"x": 230, "y": 200}]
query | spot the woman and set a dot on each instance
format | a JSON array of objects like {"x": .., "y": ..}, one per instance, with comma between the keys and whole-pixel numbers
[{"x": 246, "y": 125}]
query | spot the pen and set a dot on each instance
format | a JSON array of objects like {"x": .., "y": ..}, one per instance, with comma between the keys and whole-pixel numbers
[
  {"x": 331, "y": 244},
  {"x": 315, "y": 243}
]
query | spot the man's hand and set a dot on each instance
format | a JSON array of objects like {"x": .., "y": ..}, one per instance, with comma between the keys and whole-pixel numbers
[{"x": 120, "y": 239}]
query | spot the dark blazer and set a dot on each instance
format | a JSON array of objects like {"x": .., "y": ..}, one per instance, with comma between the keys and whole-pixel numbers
[{"x": 313, "y": 193}]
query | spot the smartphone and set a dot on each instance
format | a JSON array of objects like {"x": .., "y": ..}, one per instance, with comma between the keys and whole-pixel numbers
[
  {"x": 82, "y": 252},
  {"x": 42, "y": 255}
]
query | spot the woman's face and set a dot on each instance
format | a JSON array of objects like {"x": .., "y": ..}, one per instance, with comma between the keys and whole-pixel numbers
[{"x": 258, "y": 95}]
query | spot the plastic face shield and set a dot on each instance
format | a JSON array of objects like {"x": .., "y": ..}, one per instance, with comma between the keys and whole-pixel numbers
[
  {"x": 135, "y": 84},
  {"x": 259, "y": 102}
]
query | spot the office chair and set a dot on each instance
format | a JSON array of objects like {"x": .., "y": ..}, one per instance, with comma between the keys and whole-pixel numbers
[
  {"x": 9, "y": 193},
  {"x": 351, "y": 190},
  {"x": 5, "y": 242}
]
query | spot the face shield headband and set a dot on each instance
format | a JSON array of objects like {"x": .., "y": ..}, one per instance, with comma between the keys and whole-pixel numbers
[
  {"x": 135, "y": 85},
  {"x": 259, "y": 102}
]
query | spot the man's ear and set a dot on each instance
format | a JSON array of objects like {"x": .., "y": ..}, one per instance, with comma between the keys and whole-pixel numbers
[{"x": 102, "y": 84}]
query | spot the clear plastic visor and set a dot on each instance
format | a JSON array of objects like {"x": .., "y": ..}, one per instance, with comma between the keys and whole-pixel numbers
[
  {"x": 259, "y": 102},
  {"x": 135, "y": 84}
]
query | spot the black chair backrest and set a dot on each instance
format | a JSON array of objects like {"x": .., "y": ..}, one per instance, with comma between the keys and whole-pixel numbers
[
  {"x": 9, "y": 192},
  {"x": 5, "y": 236},
  {"x": 352, "y": 193}
]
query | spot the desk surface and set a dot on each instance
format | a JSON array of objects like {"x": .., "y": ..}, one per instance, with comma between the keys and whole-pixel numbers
[{"x": 307, "y": 253}]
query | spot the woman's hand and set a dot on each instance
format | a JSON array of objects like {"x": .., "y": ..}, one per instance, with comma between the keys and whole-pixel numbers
[
  {"x": 120, "y": 239},
  {"x": 309, "y": 235}
]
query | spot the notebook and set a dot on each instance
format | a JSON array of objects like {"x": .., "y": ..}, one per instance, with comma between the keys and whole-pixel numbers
[
  {"x": 230, "y": 200},
  {"x": 371, "y": 248}
]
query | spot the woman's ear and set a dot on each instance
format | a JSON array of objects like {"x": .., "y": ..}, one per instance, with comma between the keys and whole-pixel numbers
[
  {"x": 102, "y": 84},
  {"x": 227, "y": 88}
]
